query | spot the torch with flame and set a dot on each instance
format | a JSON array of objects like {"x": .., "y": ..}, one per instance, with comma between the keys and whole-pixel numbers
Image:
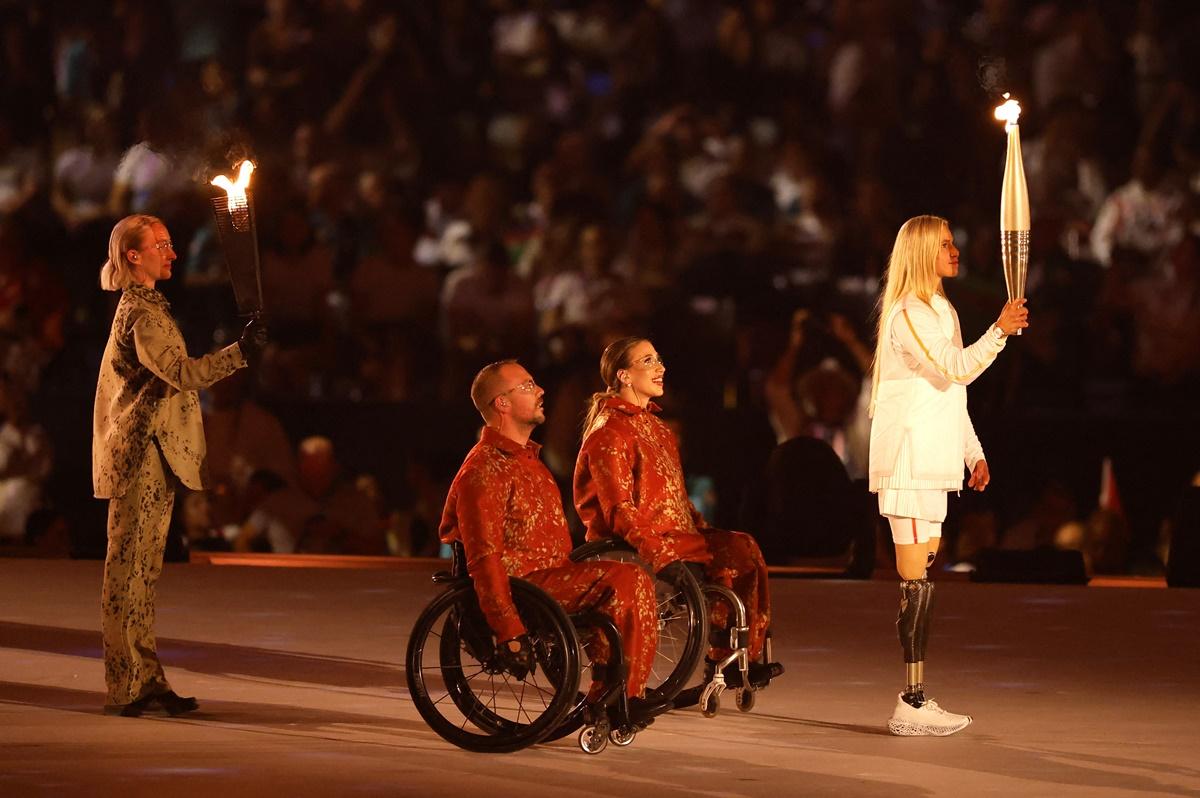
[
  {"x": 234, "y": 214},
  {"x": 235, "y": 192},
  {"x": 1014, "y": 205}
]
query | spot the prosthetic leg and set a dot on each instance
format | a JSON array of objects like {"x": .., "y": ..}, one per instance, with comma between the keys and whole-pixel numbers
[
  {"x": 916, "y": 601},
  {"x": 915, "y": 714}
]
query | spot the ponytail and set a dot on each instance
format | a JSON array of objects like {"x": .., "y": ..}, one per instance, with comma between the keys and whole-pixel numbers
[{"x": 595, "y": 405}]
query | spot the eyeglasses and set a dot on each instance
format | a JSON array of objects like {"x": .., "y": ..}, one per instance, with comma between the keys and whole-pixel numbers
[
  {"x": 529, "y": 386},
  {"x": 650, "y": 361},
  {"x": 162, "y": 246}
]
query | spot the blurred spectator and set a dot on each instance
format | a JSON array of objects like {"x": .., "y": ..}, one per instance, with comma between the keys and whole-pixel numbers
[
  {"x": 33, "y": 307},
  {"x": 266, "y": 503},
  {"x": 1142, "y": 217},
  {"x": 1103, "y": 539},
  {"x": 324, "y": 513},
  {"x": 194, "y": 517},
  {"x": 243, "y": 438},
  {"x": 487, "y": 312},
  {"x": 26, "y": 458},
  {"x": 338, "y": 518},
  {"x": 1066, "y": 178},
  {"x": 1076, "y": 55},
  {"x": 699, "y": 168},
  {"x": 393, "y": 310},
  {"x": 147, "y": 178},
  {"x": 297, "y": 271},
  {"x": 83, "y": 172},
  {"x": 825, "y": 400},
  {"x": 1164, "y": 306},
  {"x": 828, "y": 519},
  {"x": 387, "y": 287},
  {"x": 589, "y": 297},
  {"x": 20, "y": 171},
  {"x": 1053, "y": 510},
  {"x": 419, "y": 510},
  {"x": 47, "y": 535}
]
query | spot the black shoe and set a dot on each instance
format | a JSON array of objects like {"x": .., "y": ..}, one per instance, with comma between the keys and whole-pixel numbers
[
  {"x": 761, "y": 674},
  {"x": 688, "y": 697},
  {"x": 133, "y": 709},
  {"x": 642, "y": 712},
  {"x": 176, "y": 704}
]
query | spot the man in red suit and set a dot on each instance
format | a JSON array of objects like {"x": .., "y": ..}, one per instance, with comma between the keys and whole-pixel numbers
[{"x": 504, "y": 507}]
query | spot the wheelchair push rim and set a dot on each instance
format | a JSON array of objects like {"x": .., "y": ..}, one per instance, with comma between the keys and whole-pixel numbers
[
  {"x": 462, "y": 691},
  {"x": 682, "y": 619}
]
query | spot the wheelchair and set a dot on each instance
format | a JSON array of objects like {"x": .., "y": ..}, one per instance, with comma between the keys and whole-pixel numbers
[
  {"x": 475, "y": 698},
  {"x": 683, "y": 601}
]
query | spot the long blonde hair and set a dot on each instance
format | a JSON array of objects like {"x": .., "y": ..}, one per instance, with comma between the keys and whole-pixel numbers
[
  {"x": 615, "y": 358},
  {"x": 117, "y": 273},
  {"x": 912, "y": 269}
]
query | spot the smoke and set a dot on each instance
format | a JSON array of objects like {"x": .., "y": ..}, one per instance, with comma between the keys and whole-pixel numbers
[
  {"x": 234, "y": 147},
  {"x": 178, "y": 131},
  {"x": 993, "y": 74}
]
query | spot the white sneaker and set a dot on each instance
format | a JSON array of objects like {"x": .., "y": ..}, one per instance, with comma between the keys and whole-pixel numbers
[{"x": 930, "y": 719}]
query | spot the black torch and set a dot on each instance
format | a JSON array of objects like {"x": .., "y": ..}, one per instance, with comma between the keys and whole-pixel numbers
[{"x": 238, "y": 235}]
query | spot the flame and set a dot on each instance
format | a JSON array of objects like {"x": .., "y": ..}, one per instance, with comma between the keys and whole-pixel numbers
[
  {"x": 236, "y": 191},
  {"x": 1008, "y": 113}
]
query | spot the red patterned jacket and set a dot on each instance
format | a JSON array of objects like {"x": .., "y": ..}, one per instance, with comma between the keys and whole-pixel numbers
[
  {"x": 506, "y": 509},
  {"x": 629, "y": 483}
]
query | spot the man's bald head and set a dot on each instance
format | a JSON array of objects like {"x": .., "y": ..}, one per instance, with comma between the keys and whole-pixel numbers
[{"x": 487, "y": 384}]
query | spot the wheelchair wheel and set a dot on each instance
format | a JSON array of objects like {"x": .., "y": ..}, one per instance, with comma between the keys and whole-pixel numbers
[
  {"x": 464, "y": 692},
  {"x": 594, "y": 739},
  {"x": 576, "y": 715},
  {"x": 682, "y": 618},
  {"x": 622, "y": 737},
  {"x": 712, "y": 706}
]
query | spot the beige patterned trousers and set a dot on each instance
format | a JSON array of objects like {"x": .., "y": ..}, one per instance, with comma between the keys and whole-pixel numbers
[{"x": 137, "y": 536}]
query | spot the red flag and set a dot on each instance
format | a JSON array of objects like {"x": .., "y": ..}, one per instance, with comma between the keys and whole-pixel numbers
[{"x": 1110, "y": 497}]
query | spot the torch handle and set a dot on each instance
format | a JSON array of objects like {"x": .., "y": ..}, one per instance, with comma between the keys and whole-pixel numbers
[{"x": 1014, "y": 254}]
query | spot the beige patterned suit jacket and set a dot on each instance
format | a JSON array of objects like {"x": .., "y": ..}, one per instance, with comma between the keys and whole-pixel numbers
[{"x": 147, "y": 391}]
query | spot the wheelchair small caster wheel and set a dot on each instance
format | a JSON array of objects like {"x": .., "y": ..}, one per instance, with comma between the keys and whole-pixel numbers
[
  {"x": 594, "y": 739},
  {"x": 622, "y": 736},
  {"x": 711, "y": 706},
  {"x": 744, "y": 699}
]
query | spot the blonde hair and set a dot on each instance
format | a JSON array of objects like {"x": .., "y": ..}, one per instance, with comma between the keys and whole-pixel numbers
[
  {"x": 912, "y": 269},
  {"x": 117, "y": 273},
  {"x": 615, "y": 358}
]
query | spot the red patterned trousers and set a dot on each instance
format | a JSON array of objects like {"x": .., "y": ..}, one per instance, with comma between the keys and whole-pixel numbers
[
  {"x": 622, "y": 591},
  {"x": 737, "y": 563}
]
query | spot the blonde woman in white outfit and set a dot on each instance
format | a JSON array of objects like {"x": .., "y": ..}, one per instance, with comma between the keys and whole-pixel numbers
[{"x": 922, "y": 436}]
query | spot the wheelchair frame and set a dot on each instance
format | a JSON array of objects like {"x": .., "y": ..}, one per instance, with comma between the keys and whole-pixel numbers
[
  {"x": 481, "y": 706},
  {"x": 708, "y": 694}
]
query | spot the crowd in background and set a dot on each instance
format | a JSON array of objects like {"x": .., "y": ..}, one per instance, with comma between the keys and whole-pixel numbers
[{"x": 441, "y": 185}]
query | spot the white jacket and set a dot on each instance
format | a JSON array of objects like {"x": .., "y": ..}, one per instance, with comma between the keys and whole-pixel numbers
[{"x": 922, "y": 397}]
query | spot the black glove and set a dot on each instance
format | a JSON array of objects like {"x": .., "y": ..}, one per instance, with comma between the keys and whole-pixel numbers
[
  {"x": 520, "y": 662},
  {"x": 253, "y": 340}
]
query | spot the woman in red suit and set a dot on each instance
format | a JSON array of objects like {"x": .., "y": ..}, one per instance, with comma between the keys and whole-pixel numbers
[{"x": 629, "y": 483}]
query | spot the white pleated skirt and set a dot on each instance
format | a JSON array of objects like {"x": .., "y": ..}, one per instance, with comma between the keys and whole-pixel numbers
[{"x": 927, "y": 504}]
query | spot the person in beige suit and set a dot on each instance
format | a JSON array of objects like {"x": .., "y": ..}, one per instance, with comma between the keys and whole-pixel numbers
[{"x": 147, "y": 437}]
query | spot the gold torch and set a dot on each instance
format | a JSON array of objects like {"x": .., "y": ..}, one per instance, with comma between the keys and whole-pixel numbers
[
  {"x": 1014, "y": 205},
  {"x": 236, "y": 230}
]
